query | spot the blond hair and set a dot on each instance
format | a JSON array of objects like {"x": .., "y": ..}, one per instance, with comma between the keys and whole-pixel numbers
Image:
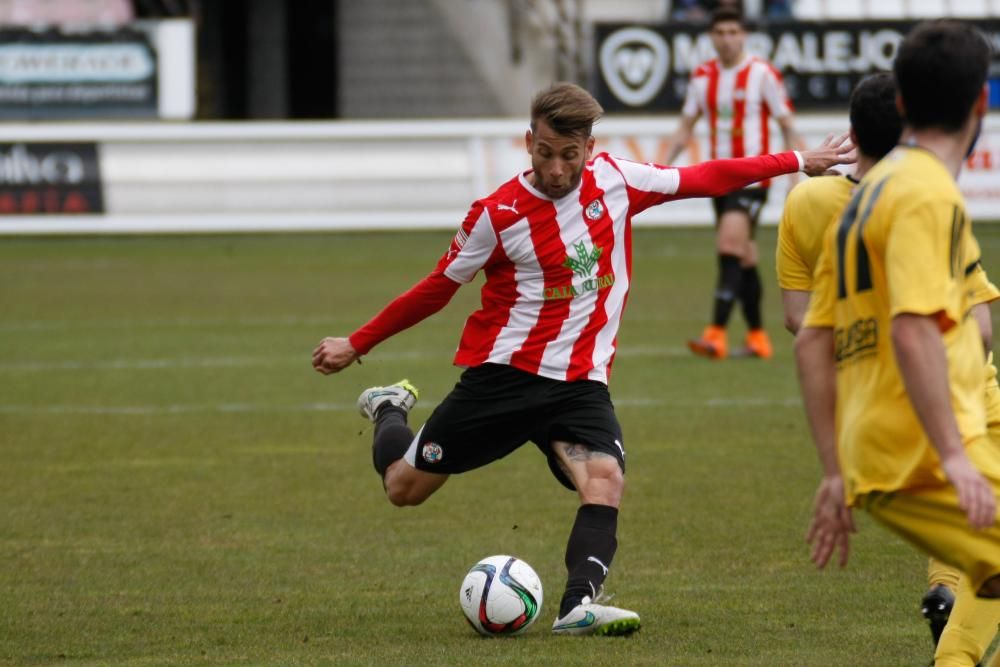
[{"x": 566, "y": 108}]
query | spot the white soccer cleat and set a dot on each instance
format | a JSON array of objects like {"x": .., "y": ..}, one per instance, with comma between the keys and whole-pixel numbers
[
  {"x": 401, "y": 395},
  {"x": 591, "y": 618}
]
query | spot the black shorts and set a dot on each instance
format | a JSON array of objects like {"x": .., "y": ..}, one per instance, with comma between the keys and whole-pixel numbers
[
  {"x": 750, "y": 200},
  {"x": 494, "y": 409}
]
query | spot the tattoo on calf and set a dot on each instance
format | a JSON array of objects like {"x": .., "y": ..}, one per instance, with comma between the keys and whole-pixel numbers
[{"x": 581, "y": 452}]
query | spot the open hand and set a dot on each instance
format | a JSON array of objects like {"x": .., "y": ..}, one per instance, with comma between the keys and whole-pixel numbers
[
  {"x": 833, "y": 151},
  {"x": 832, "y": 523}
]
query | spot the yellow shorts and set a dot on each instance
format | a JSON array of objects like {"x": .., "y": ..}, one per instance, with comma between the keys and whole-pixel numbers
[{"x": 931, "y": 520}]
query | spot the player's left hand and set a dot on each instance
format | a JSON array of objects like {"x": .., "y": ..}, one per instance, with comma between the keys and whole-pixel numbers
[
  {"x": 833, "y": 151},
  {"x": 333, "y": 355},
  {"x": 832, "y": 523}
]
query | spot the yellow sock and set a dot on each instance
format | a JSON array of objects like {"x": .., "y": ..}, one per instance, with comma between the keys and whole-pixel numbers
[
  {"x": 970, "y": 630},
  {"x": 939, "y": 573}
]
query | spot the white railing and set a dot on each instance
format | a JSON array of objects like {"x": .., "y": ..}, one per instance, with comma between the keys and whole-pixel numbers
[{"x": 211, "y": 177}]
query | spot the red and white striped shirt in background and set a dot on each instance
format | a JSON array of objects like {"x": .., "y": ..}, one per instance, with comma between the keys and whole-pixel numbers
[
  {"x": 738, "y": 102},
  {"x": 557, "y": 271}
]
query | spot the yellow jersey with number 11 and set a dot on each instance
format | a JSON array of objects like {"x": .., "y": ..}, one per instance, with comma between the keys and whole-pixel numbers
[{"x": 904, "y": 244}]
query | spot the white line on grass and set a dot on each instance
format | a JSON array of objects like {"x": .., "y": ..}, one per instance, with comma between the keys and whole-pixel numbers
[
  {"x": 170, "y": 322},
  {"x": 260, "y": 362},
  {"x": 231, "y": 408}
]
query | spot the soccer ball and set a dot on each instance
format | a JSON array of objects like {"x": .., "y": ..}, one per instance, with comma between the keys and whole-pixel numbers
[{"x": 501, "y": 595}]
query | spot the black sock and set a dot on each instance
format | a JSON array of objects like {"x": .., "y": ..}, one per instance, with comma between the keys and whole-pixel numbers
[
  {"x": 591, "y": 548},
  {"x": 727, "y": 289},
  {"x": 392, "y": 437},
  {"x": 751, "y": 291}
]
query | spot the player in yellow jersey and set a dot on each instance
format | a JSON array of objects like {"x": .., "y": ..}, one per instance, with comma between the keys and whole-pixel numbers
[
  {"x": 812, "y": 205},
  {"x": 889, "y": 360},
  {"x": 810, "y": 209}
]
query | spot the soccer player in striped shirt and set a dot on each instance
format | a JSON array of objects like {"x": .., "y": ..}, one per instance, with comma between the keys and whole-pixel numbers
[
  {"x": 738, "y": 94},
  {"x": 555, "y": 244}
]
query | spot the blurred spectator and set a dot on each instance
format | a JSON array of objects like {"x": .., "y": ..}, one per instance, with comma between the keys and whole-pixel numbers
[
  {"x": 780, "y": 10},
  {"x": 699, "y": 11},
  {"x": 66, "y": 12}
]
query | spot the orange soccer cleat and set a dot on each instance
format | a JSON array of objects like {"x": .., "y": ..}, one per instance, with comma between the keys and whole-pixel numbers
[
  {"x": 712, "y": 343},
  {"x": 758, "y": 344}
]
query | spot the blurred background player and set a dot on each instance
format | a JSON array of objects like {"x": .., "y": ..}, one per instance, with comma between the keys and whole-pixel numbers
[
  {"x": 897, "y": 277},
  {"x": 554, "y": 243},
  {"x": 738, "y": 93},
  {"x": 811, "y": 208}
]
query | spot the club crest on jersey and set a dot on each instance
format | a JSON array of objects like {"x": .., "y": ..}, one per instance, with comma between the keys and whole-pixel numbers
[
  {"x": 595, "y": 210},
  {"x": 432, "y": 452}
]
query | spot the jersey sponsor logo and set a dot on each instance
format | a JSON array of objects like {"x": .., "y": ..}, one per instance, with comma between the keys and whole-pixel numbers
[
  {"x": 432, "y": 452},
  {"x": 583, "y": 265},
  {"x": 585, "y": 260},
  {"x": 859, "y": 339},
  {"x": 588, "y": 285},
  {"x": 595, "y": 210}
]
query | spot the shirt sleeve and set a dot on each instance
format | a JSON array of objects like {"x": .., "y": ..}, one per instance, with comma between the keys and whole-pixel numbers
[
  {"x": 924, "y": 268},
  {"x": 824, "y": 294},
  {"x": 775, "y": 95},
  {"x": 793, "y": 272},
  {"x": 470, "y": 250},
  {"x": 652, "y": 184}
]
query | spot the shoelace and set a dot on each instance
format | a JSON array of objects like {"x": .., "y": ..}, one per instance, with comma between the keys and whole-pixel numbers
[{"x": 600, "y": 597}]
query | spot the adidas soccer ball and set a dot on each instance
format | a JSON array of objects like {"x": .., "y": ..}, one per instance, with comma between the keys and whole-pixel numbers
[{"x": 501, "y": 595}]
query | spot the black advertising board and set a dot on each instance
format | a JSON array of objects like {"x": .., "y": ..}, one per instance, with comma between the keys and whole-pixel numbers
[
  {"x": 645, "y": 68},
  {"x": 60, "y": 75},
  {"x": 49, "y": 178}
]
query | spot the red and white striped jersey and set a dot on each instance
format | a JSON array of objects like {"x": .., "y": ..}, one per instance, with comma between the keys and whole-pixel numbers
[
  {"x": 557, "y": 271},
  {"x": 738, "y": 102}
]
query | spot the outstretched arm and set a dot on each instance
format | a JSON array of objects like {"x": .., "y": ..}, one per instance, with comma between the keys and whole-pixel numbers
[
  {"x": 717, "y": 177},
  {"x": 418, "y": 303}
]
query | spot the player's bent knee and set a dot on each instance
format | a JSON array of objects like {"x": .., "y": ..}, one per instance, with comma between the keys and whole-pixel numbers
[
  {"x": 404, "y": 496},
  {"x": 990, "y": 589},
  {"x": 406, "y": 486}
]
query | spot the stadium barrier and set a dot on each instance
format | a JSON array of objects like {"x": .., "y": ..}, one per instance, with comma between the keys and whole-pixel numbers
[{"x": 244, "y": 177}]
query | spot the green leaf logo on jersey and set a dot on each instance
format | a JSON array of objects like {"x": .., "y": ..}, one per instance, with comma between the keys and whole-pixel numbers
[{"x": 585, "y": 261}]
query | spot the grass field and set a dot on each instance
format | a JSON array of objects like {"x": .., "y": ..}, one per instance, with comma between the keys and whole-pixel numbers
[{"x": 179, "y": 487}]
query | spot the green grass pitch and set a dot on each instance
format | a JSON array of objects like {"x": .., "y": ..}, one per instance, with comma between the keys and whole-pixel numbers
[{"x": 178, "y": 487}]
